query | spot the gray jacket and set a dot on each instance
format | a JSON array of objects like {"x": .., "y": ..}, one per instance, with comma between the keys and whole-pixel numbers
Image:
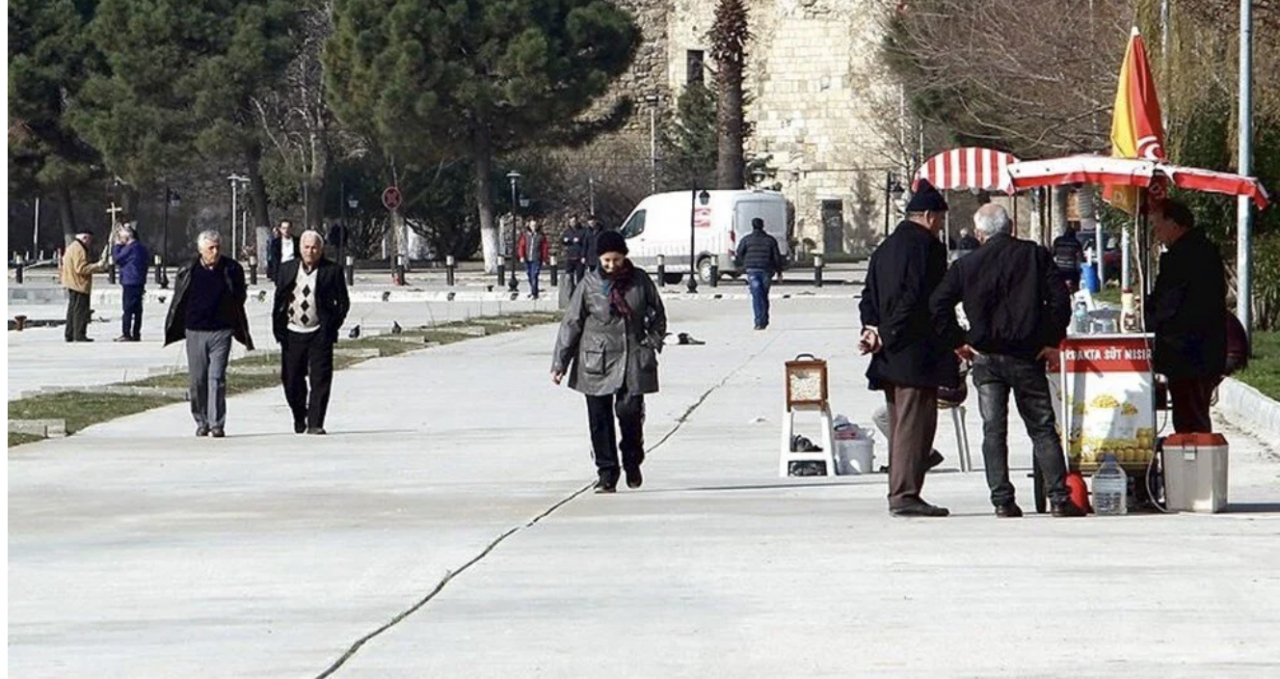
[{"x": 608, "y": 351}]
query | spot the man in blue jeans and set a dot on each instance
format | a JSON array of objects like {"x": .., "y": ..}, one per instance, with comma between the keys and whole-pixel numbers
[
  {"x": 759, "y": 256},
  {"x": 1018, "y": 312}
]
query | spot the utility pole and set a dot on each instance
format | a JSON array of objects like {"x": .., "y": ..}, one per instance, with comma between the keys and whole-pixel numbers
[{"x": 1244, "y": 211}]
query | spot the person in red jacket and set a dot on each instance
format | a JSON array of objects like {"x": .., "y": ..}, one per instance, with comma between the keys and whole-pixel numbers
[{"x": 534, "y": 250}]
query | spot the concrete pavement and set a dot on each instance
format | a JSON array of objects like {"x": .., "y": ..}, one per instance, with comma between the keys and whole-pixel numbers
[{"x": 443, "y": 524}]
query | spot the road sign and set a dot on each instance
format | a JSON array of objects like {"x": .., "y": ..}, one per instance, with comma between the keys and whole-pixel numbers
[{"x": 391, "y": 198}]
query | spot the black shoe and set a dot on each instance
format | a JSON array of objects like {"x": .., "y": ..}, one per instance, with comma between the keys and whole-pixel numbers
[
  {"x": 217, "y": 433},
  {"x": 299, "y": 426},
  {"x": 316, "y": 431},
  {"x": 202, "y": 430},
  {"x": 1009, "y": 510},
  {"x": 1066, "y": 509},
  {"x": 634, "y": 478},
  {"x": 919, "y": 508},
  {"x": 935, "y": 459},
  {"x": 123, "y": 338},
  {"x": 607, "y": 482}
]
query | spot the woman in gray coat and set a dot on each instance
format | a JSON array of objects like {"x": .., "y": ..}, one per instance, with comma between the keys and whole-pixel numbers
[{"x": 608, "y": 345}]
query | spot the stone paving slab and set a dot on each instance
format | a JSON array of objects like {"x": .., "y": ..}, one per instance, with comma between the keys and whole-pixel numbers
[{"x": 269, "y": 554}]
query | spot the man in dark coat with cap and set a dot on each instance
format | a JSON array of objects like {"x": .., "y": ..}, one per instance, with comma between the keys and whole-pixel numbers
[{"x": 909, "y": 359}]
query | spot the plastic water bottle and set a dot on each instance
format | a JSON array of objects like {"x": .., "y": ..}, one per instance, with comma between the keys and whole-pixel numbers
[
  {"x": 1080, "y": 319},
  {"x": 1110, "y": 488}
]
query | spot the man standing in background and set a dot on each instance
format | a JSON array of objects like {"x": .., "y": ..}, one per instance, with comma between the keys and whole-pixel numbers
[
  {"x": 131, "y": 256},
  {"x": 77, "y": 278}
]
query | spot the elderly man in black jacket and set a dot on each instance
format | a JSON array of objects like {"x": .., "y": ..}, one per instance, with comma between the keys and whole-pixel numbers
[
  {"x": 1187, "y": 312},
  {"x": 759, "y": 256},
  {"x": 1018, "y": 312},
  {"x": 310, "y": 307},
  {"x": 208, "y": 312},
  {"x": 909, "y": 360}
]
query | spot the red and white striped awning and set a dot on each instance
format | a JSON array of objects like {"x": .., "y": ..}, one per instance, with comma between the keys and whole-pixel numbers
[
  {"x": 968, "y": 168},
  {"x": 1107, "y": 171}
]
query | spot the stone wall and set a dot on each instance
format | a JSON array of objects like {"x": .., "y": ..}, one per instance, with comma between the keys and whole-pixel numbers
[{"x": 814, "y": 77}]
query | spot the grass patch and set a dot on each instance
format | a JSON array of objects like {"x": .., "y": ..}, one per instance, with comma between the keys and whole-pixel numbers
[
  {"x": 1263, "y": 372},
  {"x": 19, "y": 439},
  {"x": 82, "y": 409}
]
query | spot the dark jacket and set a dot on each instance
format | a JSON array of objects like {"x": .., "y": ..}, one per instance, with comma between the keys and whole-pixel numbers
[
  {"x": 759, "y": 250},
  {"x": 275, "y": 252},
  {"x": 230, "y": 311},
  {"x": 332, "y": 303},
  {"x": 1186, "y": 310},
  {"x": 967, "y": 243},
  {"x": 574, "y": 241},
  {"x": 903, "y": 273},
  {"x": 1068, "y": 254},
  {"x": 1013, "y": 298},
  {"x": 132, "y": 260},
  {"x": 601, "y": 351}
]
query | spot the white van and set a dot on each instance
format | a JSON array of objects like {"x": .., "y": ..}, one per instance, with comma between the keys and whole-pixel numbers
[{"x": 661, "y": 225}]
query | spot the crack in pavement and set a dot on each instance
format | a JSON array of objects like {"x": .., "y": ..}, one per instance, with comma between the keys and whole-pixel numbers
[{"x": 680, "y": 422}]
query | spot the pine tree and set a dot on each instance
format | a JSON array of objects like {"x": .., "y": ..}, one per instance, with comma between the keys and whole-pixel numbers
[
  {"x": 476, "y": 78},
  {"x": 49, "y": 58}
]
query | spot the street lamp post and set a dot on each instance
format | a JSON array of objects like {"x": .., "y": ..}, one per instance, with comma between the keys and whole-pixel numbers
[
  {"x": 235, "y": 180},
  {"x": 892, "y": 191},
  {"x": 171, "y": 200},
  {"x": 694, "y": 199},
  {"x": 512, "y": 283},
  {"x": 653, "y": 100}
]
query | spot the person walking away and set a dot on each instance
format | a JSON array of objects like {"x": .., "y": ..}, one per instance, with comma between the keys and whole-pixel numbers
[
  {"x": 77, "y": 278},
  {"x": 208, "y": 312},
  {"x": 1018, "y": 311},
  {"x": 759, "y": 256},
  {"x": 131, "y": 256},
  {"x": 1068, "y": 256},
  {"x": 1190, "y": 293},
  {"x": 608, "y": 345},
  {"x": 574, "y": 241},
  {"x": 534, "y": 250},
  {"x": 281, "y": 247},
  {"x": 909, "y": 361},
  {"x": 311, "y": 304},
  {"x": 591, "y": 246},
  {"x": 967, "y": 242}
]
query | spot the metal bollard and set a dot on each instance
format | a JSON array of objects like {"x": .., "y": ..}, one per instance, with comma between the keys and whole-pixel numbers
[
  {"x": 351, "y": 270},
  {"x": 817, "y": 270},
  {"x": 449, "y": 265},
  {"x": 399, "y": 270},
  {"x": 502, "y": 270},
  {"x": 662, "y": 271},
  {"x": 513, "y": 283},
  {"x": 555, "y": 274},
  {"x": 111, "y": 269},
  {"x": 253, "y": 269},
  {"x": 715, "y": 271},
  {"x": 159, "y": 272},
  {"x": 17, "y": 271}
]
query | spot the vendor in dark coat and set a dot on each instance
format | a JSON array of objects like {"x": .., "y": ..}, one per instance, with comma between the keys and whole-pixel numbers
[
  {"x": 1187, "y": 311},
  {"x": 909, "y": 359},
  {"x": 608, "y": 345}
]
